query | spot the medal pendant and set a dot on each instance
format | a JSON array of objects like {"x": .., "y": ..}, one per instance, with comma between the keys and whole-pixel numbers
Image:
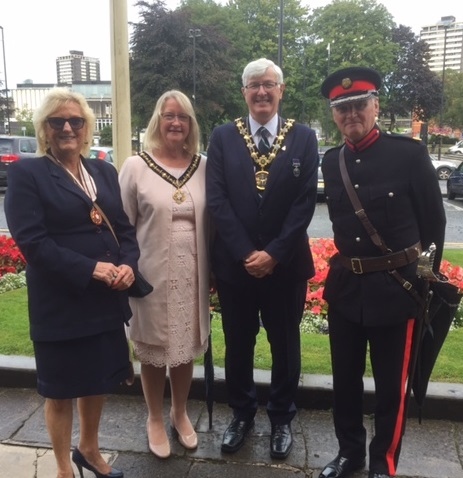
[
  {"x": 178, "y": 196},
  {"x": 261, "y": 179},
  {"x": 95, "y": 216}
]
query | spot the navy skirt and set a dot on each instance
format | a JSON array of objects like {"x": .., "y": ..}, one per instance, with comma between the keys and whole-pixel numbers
[{"x": 93, "y": 365}]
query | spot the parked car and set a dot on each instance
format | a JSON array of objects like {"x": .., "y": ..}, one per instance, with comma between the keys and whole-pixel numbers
[
  {"x": 13, "y": 148},
  {"x": 105, "y": 153},
  {"x": 443, "y": 168},
  {"x": 455, "y": 183},
  {"x": 320, "y": 182},
  {"x": 457, "y": 148}
]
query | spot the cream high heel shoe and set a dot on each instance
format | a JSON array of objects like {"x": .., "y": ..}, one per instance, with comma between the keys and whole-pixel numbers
[
  {"x": 190, "y": 442},
  {"x": 162, "y": 450}
]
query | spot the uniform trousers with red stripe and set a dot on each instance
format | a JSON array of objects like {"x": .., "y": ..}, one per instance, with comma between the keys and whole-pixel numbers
[{"x": 390, "y": 352}]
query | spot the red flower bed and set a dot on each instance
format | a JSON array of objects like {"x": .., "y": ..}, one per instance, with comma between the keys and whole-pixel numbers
[
  {"x": 454, "y": 274},
  {"x": 323, "y": 249},
  {"x": 11, "y": 259}
]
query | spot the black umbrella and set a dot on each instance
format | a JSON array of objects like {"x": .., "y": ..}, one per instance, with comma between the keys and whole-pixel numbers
[
  {"x": 209, "y": 378},
  {"x": 432, "y": 329}
]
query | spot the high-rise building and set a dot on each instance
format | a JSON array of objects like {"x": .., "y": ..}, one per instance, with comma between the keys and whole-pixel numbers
[
  {"x": 77, "y": 67},
  {"x": 445, "y": 40}
]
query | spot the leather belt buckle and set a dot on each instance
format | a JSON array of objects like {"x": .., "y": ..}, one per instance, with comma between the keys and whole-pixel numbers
[{"x": 356, "y": 265}]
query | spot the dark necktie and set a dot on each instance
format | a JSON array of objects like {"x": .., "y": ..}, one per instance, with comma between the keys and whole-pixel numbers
[{"x": 264, "y": 145}]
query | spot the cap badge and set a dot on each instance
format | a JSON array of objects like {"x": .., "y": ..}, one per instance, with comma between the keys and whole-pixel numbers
[{"x": 346, "y": 83}]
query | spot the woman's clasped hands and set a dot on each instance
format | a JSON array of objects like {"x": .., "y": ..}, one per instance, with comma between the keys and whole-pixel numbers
[{"x": 117, "y": 277}]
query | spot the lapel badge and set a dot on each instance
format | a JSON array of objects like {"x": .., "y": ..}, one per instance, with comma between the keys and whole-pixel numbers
[{"x": 296, "y": 167}]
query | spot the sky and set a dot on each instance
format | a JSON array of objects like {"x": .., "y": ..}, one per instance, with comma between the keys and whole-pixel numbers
[{"x": 36, "y": 32}]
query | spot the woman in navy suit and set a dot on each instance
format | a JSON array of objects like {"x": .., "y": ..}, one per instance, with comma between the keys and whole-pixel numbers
[{"x": 77, "y": 274}]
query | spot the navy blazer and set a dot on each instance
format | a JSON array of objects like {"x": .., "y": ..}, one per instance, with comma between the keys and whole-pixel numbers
[
  {"x": 276, "y": 222},
  {"x": 49, "y": 217}
]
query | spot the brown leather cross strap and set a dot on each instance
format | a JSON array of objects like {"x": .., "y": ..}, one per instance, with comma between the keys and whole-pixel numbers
[
  {"x": 375, "y": 237},
  {"x": 358, "y": 208},
  {"x": 394, "y": 260}
]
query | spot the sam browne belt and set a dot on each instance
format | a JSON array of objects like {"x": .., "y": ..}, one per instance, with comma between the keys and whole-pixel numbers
[{"x": 388, "y": 262}]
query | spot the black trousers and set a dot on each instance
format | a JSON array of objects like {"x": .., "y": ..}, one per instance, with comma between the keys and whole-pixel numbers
[
  {"x": 279, "y": 306},
  {"x": 390, "y": 355}
]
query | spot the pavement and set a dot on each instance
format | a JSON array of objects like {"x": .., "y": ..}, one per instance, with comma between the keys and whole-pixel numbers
[{"x": 432, "y": 449}]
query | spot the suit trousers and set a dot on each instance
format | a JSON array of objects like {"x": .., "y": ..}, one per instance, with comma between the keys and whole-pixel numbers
[
  {"x": 390, "y": 355},
  {"x": 277, "y": 305}
]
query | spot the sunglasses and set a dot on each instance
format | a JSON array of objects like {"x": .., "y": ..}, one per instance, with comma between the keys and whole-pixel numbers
[{"x": 58, "y": 123}]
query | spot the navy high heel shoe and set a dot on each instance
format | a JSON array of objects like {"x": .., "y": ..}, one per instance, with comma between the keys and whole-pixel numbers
[{"x": 81, "y": 462}]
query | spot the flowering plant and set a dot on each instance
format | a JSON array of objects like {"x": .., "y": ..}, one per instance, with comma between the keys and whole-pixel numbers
[
  {"x": 11, "y": 258},
  {"x": 316, "y": 308},
  {"x": 453, "y": 273}
]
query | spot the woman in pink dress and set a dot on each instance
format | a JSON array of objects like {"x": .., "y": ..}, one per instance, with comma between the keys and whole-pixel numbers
[{"x": 163, "y": 190}]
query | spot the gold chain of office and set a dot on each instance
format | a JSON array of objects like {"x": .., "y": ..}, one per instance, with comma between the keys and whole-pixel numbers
[
  {"x": 263, "y": 160},
  {"x": 179, "y": 195}
]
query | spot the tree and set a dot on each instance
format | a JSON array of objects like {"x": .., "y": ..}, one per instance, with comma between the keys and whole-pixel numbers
[
  {"x": 342, "y": 34},
  {"x": 162, "y": 57},
  {"x": 106, "y": 136},
  {"x": 410, "y": 86},
  {"x": 262, "y": 20},
  {"x": 453, "y": 106},
  {"x": 24, "y": 119}
]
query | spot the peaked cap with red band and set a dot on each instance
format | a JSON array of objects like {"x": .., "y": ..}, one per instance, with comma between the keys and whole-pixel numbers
[{"x": 351, "y": 84}]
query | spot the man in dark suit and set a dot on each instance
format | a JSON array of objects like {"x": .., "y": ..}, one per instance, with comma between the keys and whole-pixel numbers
[
  {"x": 261, "y": 187},
  {"x": 372, "y": 285}
]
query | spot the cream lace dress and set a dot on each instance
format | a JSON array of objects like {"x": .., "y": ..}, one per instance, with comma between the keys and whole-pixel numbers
[{"x": 183, "y": 303}]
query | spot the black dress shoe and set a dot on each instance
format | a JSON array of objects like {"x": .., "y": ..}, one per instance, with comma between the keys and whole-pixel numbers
[
  {"x": 341, "y": 466},
  {"x": 233, "y": 438},
  {"x": 378, "y": 475},
  {"x": 281, "y": 441}
]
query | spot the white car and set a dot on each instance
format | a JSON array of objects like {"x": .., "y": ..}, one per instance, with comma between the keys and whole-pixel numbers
[
  {"x": 457, "y": 148},
  {"x": 443, "y": 167},
  {"x": 105, "y": 153}
]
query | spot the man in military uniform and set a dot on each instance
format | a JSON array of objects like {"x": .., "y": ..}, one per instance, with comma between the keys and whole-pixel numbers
[{"x": 367, "y": 285}]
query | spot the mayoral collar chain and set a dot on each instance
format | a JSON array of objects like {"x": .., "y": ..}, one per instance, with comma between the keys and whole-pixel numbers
[
  {"x": 179, "y": 195},
  {"x": 263, "y": 160}
]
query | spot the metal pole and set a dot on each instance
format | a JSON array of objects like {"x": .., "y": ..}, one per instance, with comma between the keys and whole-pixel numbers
[
  {"x": 193, "y": 33},
  {"x": 442, "y": 94},
  {"x": 280, "y": 37},
  {"x": 6, "y": 85},
  {"x": 280, "y": 48}
]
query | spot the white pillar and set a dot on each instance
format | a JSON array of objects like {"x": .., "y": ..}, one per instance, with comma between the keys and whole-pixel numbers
[{"x": 120, "y": 81}]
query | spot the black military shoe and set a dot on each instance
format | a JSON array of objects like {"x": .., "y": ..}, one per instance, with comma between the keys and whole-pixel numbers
[
  {"x": 340, "y": 467},
  {"x": 281, "y": 441},
  {"x": 378, "y": 475},
  {"x": 233, "y": 438}
]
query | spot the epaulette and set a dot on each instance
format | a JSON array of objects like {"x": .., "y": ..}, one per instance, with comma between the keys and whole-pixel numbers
[{"x": 403, "y": 137}]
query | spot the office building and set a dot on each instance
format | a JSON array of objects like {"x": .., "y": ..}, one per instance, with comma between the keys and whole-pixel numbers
[
  {"x": 445, "y": 40},
  {"x": 77, "y": 67}
]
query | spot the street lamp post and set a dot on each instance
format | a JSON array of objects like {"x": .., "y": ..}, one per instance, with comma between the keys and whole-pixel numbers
[
  {"x": 6, "y": 84},
  {"x": 445, "y": 25},
  {"x": 194, "y": 33}
]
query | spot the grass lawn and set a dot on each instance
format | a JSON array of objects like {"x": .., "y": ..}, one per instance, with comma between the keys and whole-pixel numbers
[{"x": 14, "y": 340}]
